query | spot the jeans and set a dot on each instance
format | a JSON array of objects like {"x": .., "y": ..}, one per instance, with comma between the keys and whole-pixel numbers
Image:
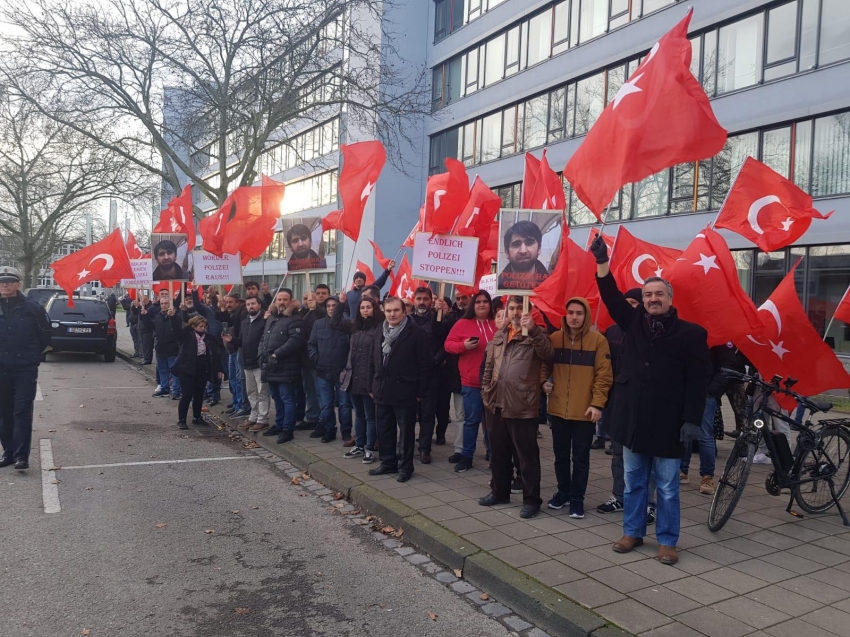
[
  {"x": 707, "y": 445},
  {"x": 390, "y": 421},
  {"x": 164, "y": 375},
  {"x": 234, "y": 373},
  {"x": 365, "y": 432},
  {"x": 312, "y": 411},
  {"x": 147, "y": 346},
  {"x": 258, "y": 396},
  {"x": 457, "y": 406},
  {"x": 473, "y": 409},
  {"x": 330, "y": 395},
  {"x": 283, "y": 395},
  {"x": 17, "y": 394},
  {"x": 137, "y": 339},
  {"x": 572, "y": 438},
  {"x": 638, "y": 467}
]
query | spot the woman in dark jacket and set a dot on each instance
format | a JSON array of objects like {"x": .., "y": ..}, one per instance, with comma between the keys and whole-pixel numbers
[
  {"x": 356, "y": 379},
  {"x": 197, "y": 362}
]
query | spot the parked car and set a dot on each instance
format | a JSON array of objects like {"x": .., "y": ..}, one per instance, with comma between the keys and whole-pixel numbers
[
  {"x": 86, "y": 327},
  {"x": 43, "y": 295}
]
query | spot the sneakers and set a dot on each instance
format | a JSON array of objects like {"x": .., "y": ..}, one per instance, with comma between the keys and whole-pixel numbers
[
  {"x": 558, "y": 501},
  {"x": 650, "y": 514},
  {"x": 683, "y": 478},
  {"x": 368, "y": 457},
  {"x": 181, "y": 424},
  {"x": 161, "y": 392},
  {"x": 599, "y": 443},
  {"x": 761, "y": 458},
  {"x": 285, "y": 436},
  {"x": 516, "y": 485},
  {"x": 354, "y": 453},
  {"x": 455, "y": 457},
  {"x": 577, "y": 510},
  {"x": 706, "y": 485},
  {"x": 612, "y": 505},
  {"x": 464, "y": 464},
  {"x": 329, "y": 436}
]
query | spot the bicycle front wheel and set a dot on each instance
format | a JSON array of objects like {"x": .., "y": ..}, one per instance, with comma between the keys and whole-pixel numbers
[
  {"x": 731, "y": 485},
  {"x": 828, "y": 459}
]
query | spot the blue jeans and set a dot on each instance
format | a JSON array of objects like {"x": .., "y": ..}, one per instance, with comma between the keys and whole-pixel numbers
[
  {"x": 312, "y": 411},
  {"x": 473, "y": 409},
  {"x": 707, "y": 445},
  {"x": 234, "y": 373},
  {"x": 283, "y": 395},
  {"x": 164, "y": 375},
  {"x": 637, "y": 468},
  {"x": 330, "y": 395},
  {"x": 365, "y": 431}
]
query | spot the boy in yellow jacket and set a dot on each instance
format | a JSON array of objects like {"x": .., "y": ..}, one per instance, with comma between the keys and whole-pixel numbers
[{"x": 577, "y": 383}]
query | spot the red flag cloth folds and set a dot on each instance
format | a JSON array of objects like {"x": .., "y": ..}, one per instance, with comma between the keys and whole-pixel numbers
[
  {"x": 607, "y": 238},
  {"x": 212, "y": 228},
  {"x": 530, "y": 176},
  {"x": 552, "y": 187},
  {"x": 365, "y": 269},
  {"x": 574, "y": 275},
  {"x": 105, "y": 260},
  {"x": 133, "y": 249},
  {"x": 479, "y": 213},
  {"x": 332, "y": 221},
  {"x": 790, "y": 346},
  {"x": 634, "y": 260},
  {"x": 842, "y": 312},
  {"x": 257, "y": 211},
  {"x": 182, "y": 217},
  {"x": 659, "y": 118},
  {"x": 361, "y": 165},
  {"x": 445, "y": 197},
  {"x": 404, "y": 284},
  {"x": 766, "y": 208},
  {"x": 707, "y": 291},
  {"x": 166, "y": 222},
  {"x": 382, "y": 261}
]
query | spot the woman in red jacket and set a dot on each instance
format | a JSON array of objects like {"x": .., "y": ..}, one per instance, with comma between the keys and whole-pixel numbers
[{"x": 468, "y": 339}]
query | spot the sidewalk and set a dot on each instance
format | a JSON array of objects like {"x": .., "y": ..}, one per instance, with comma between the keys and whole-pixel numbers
[{"x": 765, "y": 573}]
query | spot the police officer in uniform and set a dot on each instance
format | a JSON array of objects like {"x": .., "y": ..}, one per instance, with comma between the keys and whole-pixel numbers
[{"x": 24, "y": 335}]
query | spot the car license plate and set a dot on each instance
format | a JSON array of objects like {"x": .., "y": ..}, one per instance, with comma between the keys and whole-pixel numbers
[{"x": 79, "y": 330}]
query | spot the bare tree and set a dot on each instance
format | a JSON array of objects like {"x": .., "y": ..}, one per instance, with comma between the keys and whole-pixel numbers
[
  {"x": 203, "y": 88},
  {"x": 50, "y": 177}
]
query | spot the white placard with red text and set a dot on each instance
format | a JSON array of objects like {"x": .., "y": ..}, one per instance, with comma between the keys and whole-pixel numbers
[
  {"x": 142, "y": 274},
  {"x": 487, "y": 283},
  {"x": 445, "y": 258},
  {"x": 212, "y": 270}
]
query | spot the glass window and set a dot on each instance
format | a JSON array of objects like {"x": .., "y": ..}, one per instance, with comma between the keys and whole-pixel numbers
[
  {"x": 781, "y": 41},
  {"x": 590, "y": 101},
  {"x": 770, "y": 270},
  {"x": 831, "y": 162},
  {"x": 650, "y": 195},
  {"x": 654, "y": 5},
  {"x": 512, "y": 52},
  {"x": 682, "y": 192},
  {"x": 709, "y": 62},
  {"x": 574, "y": 22},
  {"x": 494, "y": 65},
  {"x": 468, "y": 144},
  {"x": 802, "y": 154},
  {"x": 744, "y": 264},
  {"x": 474, "y": 9},
  {"x": 437, "y": 87},
  {"x": 619, "y": 13},
  {"x": 727, "y": 164},
  {"x": 739, "y": 54},
  {"x": 454, "y": 79},
  {"x": 441, "y": 19},
  {"x": 491, "y": 138},
  {"x": 509, "y": 137},
  {"x": 579, "y": 213},
  {"x": 539, "y": 37},
  {"x": 809, "y": 34},
  {"x": 457, "y": 14},
  {"x": 828, "y": 272},
  {"x": 834, "y": 32},
  {"x": 776, "y": 150},
  {"x": 561, "y": 34},
  {"x": 593, "y": 19},
  {"x": 472, "y": 71},
  {"x": 557, "y": 114},
  {"x": 534, "y": 122},
  {"x": 616, "y": 79}
]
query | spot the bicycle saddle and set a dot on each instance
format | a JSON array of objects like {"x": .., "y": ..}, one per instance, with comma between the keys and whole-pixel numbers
[{"x": 820, "y": 405}]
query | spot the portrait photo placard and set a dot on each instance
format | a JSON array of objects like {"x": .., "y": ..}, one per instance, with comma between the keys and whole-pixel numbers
[
  {"x": 528, "y": 248},
  {"x": 305, "y": 246},
  {"x": 170, "y": 257}
]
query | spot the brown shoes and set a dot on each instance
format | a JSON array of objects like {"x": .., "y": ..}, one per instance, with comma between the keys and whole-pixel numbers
[
  {"x": 425, "y": 457},
  {"x": 348, "y": 443},
  {"x": 667, "y": 555},
  {"x": 706, "y": 485},
  {"x": 627, "y": 544},
  {"x": 244, "y": 425},
  {"x": 257, "y": 427}
]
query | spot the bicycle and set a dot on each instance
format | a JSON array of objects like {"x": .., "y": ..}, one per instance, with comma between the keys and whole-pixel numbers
[{"x": 817, "y": 472}]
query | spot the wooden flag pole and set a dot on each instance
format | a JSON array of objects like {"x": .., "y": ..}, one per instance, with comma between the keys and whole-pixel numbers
[
  {"x": 171, "y": 292},
  {"x": 441, "y": 294},
  {"x": 525, "y": 305}
]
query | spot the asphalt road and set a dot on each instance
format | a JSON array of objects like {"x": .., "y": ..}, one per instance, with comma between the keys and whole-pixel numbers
[{"x": 129, "y": 552}]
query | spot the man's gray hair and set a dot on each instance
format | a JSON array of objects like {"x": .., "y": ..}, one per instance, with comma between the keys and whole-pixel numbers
[{"x": 658, "y": 279}]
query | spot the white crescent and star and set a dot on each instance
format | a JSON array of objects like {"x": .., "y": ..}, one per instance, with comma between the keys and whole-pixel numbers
[
  {"x": 367, "y": 190},
  {"x": 438, "y": 195},
  {"x": 779, "y": 347},
  {"x": 707, "y": 262},
  {"x": 758, "y": 205},
  {"x": 631, "y": 87},
  {"x": 636, "y": 267},
  {"x": 107, "y": 259}
]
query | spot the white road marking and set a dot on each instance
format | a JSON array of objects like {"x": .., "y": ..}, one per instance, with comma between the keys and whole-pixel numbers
[
  {"x": 38, "y": 394},
  {"x": 134, "y": 464},
  {"x": 49, "y": 484},
  {"x": 145, "y": 387}
]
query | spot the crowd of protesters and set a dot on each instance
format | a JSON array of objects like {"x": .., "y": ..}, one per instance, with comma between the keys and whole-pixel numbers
[{"x": 370, "y": 369}]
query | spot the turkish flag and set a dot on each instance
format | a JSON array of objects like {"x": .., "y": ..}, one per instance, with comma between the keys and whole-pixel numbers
[
  {"x": 105, "y": 260},
  {"x": 166, "y": 223},
  {"x": 420, "y": 226},
  {"x": 480, "y": 212},
  {"x": 182, "y": 217},
  {"x": 766, "y": 208},
  {"x": 659, "y": 118},
  {"x": 445, "y": 197},
  {"x": 634, "y": 260},
  {"x": 607, "y": 238},
  {"x": 361, "y": 165},
  {"x": 382, "y": 261},
  {"x": 573, "y": 275},
  {"x": 332, "y": 221},
  {"x": 133, "y": 249},
  {"x": 257, "y": 212},
  {"x": 842, "y": 312},
  {"x": 706, "y": 290},
  {"x": 212, "y": 228},
  {"x": 365, "y": 269},
  {"x": 544, "y": 190},
  {"x": 491, "y": 248},
  {"x": 530, "y": 177},
  {"x": 790, "y": 346},
  {"x": 404, "y": 285}
]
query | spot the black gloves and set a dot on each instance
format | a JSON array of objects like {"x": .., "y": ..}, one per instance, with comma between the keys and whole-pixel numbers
[
  {"x": 688, "y": 434},
  {"x": 599, "y": 249}
]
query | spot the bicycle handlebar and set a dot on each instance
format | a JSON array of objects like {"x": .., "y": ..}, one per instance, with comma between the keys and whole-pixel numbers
[{"x": 772, "y": 387}]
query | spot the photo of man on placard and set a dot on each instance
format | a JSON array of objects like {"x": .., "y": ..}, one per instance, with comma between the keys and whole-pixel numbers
[
  {"x": 300, "y": 236},
  {"x": 170, "y": 257},
  {"x": 528, "y": 241}
]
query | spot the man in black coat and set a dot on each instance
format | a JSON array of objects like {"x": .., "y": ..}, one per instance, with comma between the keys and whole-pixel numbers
[
  {"x": 248, "y": 345},
  {"x": 281, "y": 351},
  {"x": 233, "y": 314},
  {"x": 25, "y": 333},
  {"x": 166, "y": 348},
  {"x": 133, "y": 323},
  {"x": 659, "y": 397},
  {"x": 146, "y": 331},
  {"x": 312, "y": 310},
  {"x": 401, "y": 372}
]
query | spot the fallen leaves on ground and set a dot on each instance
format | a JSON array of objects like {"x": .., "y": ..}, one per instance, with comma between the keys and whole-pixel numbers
[
  {"x": 296, "y": 480},
  {"x": 339, "y": 496},
  {"x": 432, "y": 615},
  {"x": 387, "y": 529},
  {"x": 484, "y": 597},
  {"x": 86, "y": 631},
  {"x": 209, "y": 531},
  {"x": 457, "y": 572},
  {"x": 338, "y": 505},
  {"x": 305, "y": 475},
  {"x": 235, "y": 512},
  {"x": 250, "y": 445},
  {"x": 161, "y": 525},
  {"x": 241, "y": 611}
]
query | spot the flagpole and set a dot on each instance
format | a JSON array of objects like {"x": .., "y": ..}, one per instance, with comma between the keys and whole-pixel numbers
[
  {"x": 828, "y": 325},
  {"x": 286, "y": 274}
]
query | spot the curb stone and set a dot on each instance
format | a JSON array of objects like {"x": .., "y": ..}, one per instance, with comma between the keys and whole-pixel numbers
[{"x": 546, "y": 607}]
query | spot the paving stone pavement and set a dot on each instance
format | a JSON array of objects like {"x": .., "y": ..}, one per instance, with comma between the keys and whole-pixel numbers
[{"x": 764, "y": 573}]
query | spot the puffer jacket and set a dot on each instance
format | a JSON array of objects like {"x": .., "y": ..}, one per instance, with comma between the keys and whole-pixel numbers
[
  {"x": 511, "y": 378},
  {"x": 328, "y": 347},
  {"x": 283, "y": 337},
  {"x": 469, "y": 360},
  {"x": 362, "y": 347},
  {"x": 580, "y": 369}
]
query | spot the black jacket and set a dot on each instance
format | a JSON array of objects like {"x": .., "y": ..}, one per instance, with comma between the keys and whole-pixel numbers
[
  {"x": 127, "y": 304},
  {"x": 112, "y": 303},
  {"x": 186, "y": 363},
  {"x": 24, "y": 333},
  {"x": 437, "y": 332},
  {"x": 362, "y": 348},
  {"x": 250, "y": 336},
  {"x": 660, "y": 383},
  {"x": 283, "y": 337},
  {"x": 352, "y": 297},
  {"x": 720, "y": 356},
  {"x": 309, "y": 320},
  {"x": 328, "y": 347},
  {"x": 407, "y": 374},
  {"x": 167, "y": 336},
  {"x": 234, "y": 325},
  {"x": 151, "y": 308}
]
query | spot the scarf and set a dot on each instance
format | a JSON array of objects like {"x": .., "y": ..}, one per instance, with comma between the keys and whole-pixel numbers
[
  {"x": 390, "y": 335},
  {"x": 202, "y": 346},
  {"x": 658, "y": 325}
]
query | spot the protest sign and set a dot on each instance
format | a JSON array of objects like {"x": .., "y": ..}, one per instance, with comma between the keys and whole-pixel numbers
[
  {"x": 445, "y": 258},
  {"x": 213, "y": 270},
  {"x": 487, "y": 283},
  {"x": 170, "y": 257},
  {"x": 528, "y": 247},
  {"x": 142, "y": 274},
  {"x": 305, "y": 246}
]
